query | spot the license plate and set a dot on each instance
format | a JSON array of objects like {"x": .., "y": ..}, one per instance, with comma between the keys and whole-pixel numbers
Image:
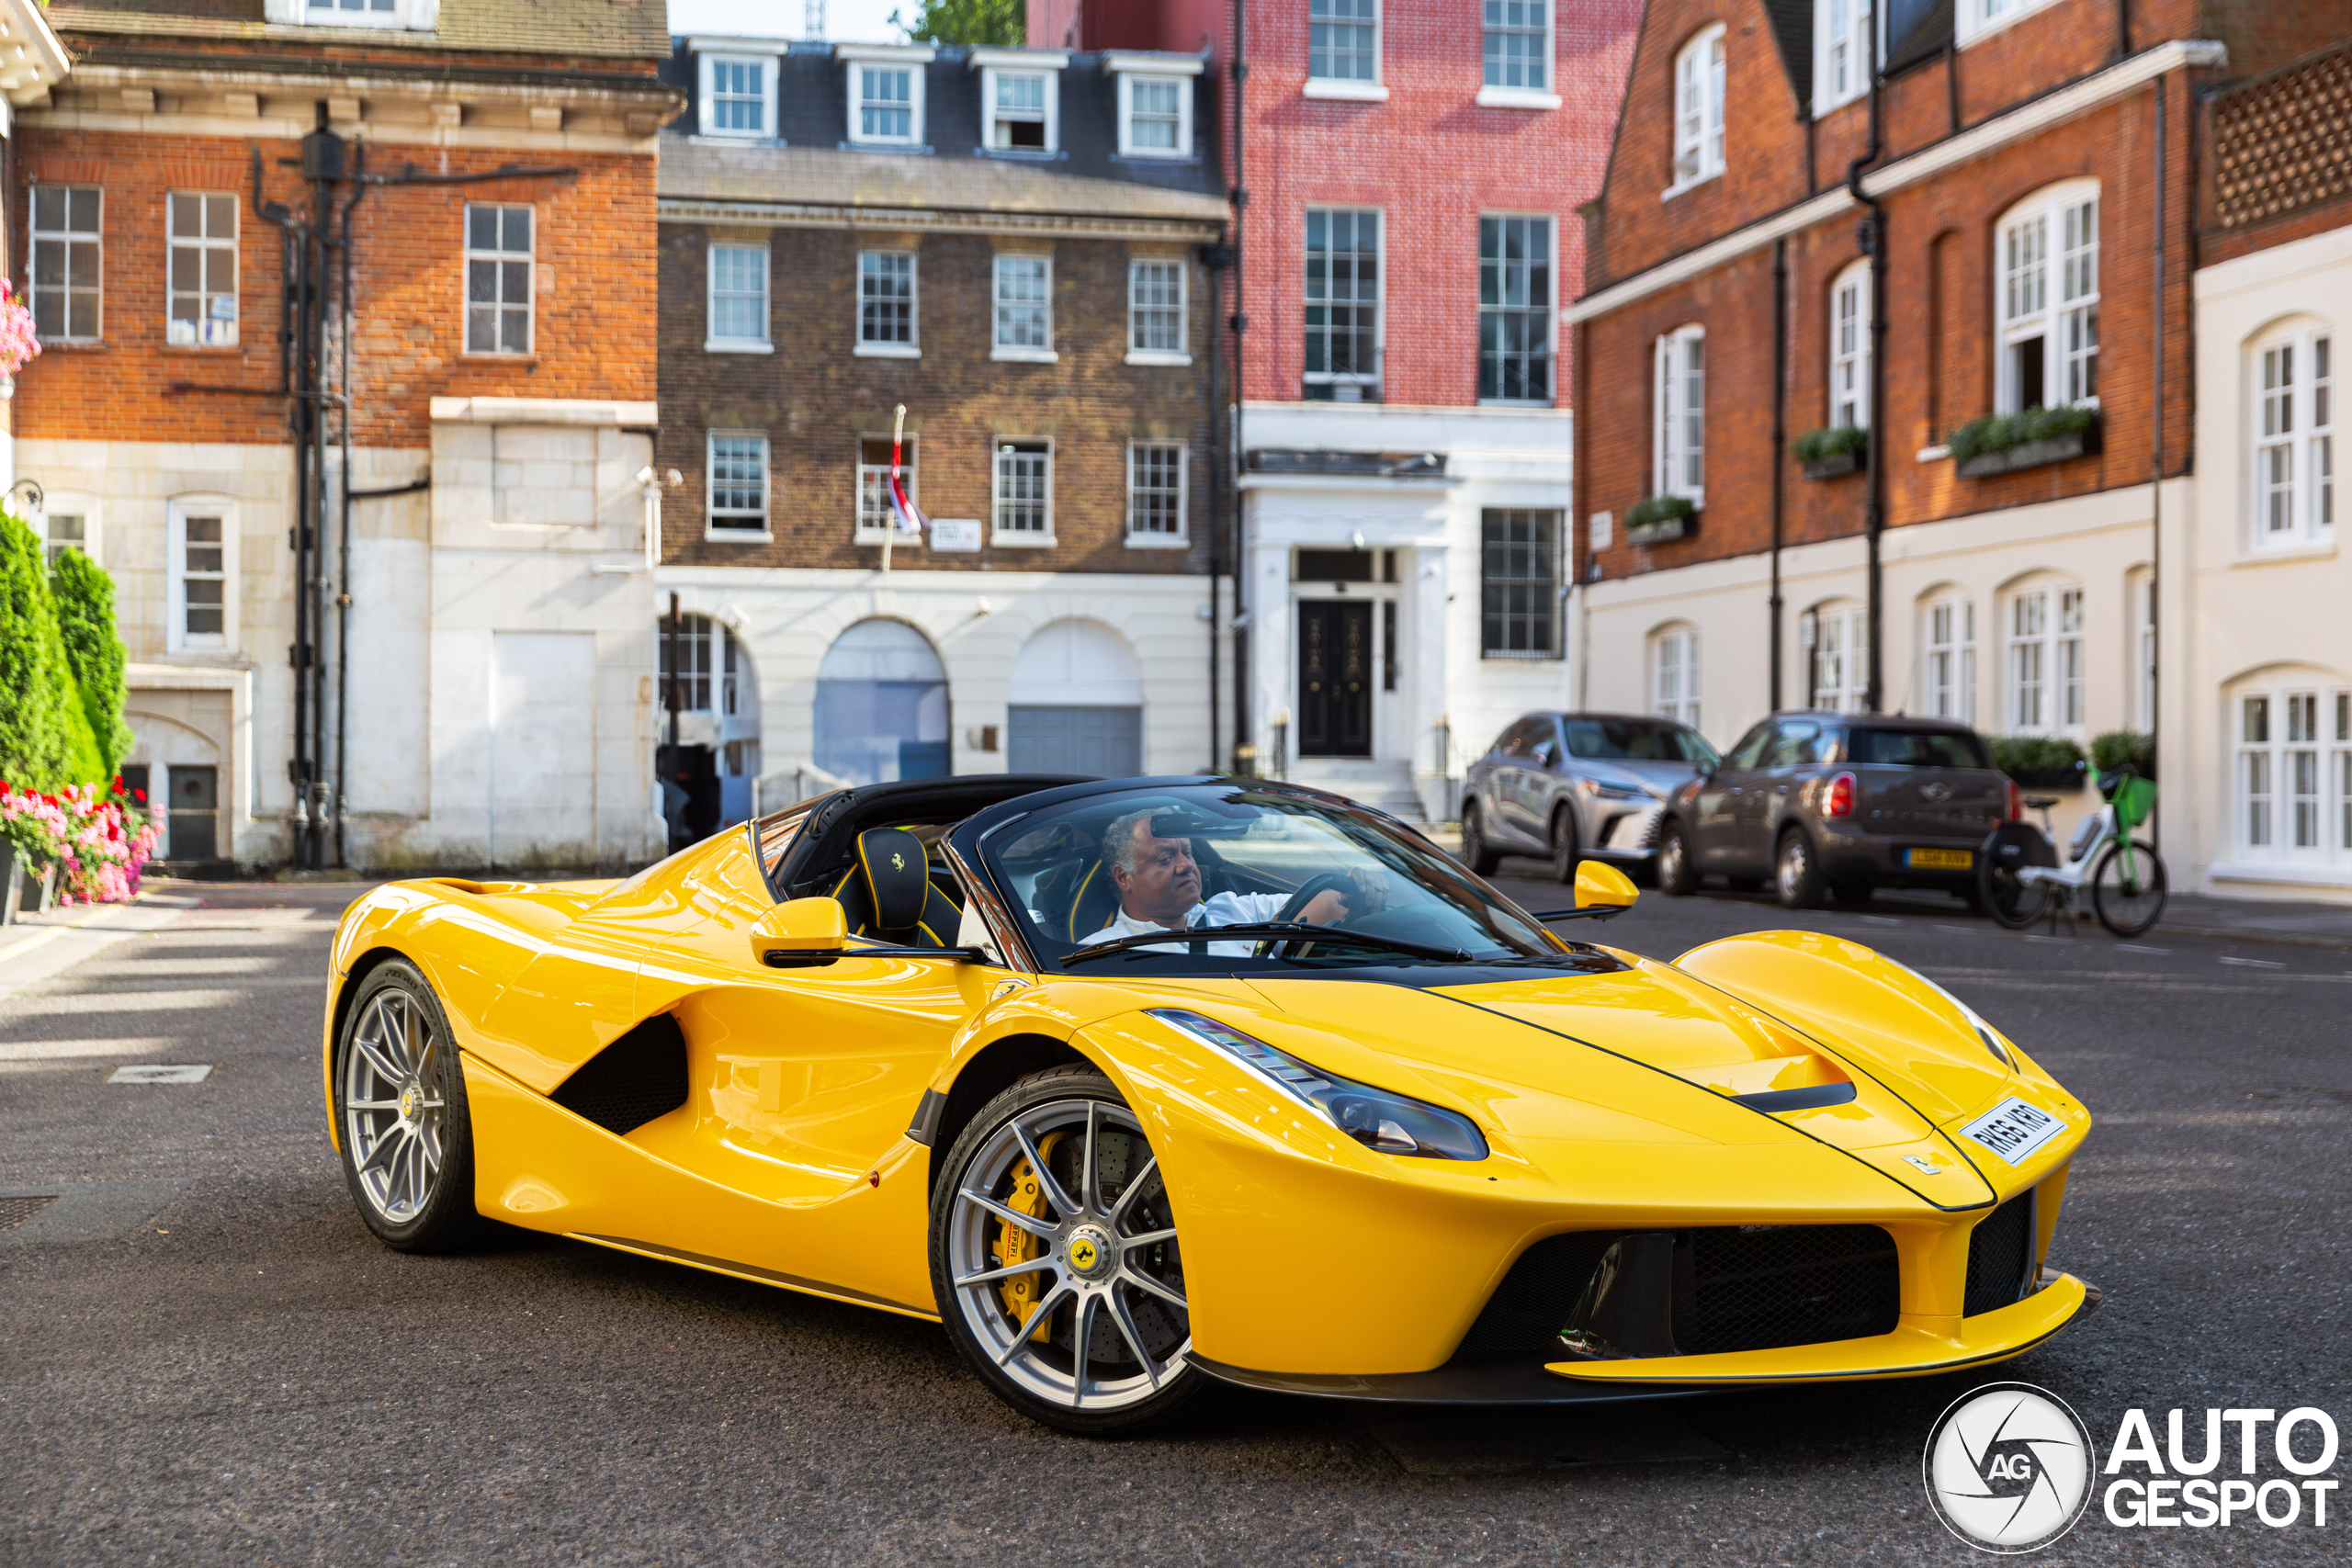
[
  {"x": 1941, "y": 860},
  {"x": 2014, "y": 1129}
]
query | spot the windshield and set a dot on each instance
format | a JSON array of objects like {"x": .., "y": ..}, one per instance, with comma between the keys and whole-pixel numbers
[
  {"x": 1638, "y": 741},
  {"x": 1916, "y": 749},
  {"x": 1198, "y": 858}
]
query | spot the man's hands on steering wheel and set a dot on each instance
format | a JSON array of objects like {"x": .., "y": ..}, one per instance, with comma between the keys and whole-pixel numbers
[{"x": 1335, "y": 898}]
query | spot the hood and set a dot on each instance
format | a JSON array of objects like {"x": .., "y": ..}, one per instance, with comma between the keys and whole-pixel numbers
[{"x": 1659, "y": 778}]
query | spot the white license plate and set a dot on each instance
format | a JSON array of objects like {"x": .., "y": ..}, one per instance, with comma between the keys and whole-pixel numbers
[{"x": 2014, "y": 1129}]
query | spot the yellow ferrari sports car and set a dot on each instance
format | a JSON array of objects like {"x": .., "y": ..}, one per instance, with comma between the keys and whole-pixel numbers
[{"x": 1138, "y": 1085}]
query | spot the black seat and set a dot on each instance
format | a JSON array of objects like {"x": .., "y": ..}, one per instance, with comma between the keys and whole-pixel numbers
[
  {"x": 2039, "y": 802},
  {"x": 888, "y": 895}
]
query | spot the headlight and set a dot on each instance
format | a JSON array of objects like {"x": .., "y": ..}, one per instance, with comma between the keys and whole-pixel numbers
[
  {"x": 1985, "y": 1031},
  {"x": 1372, "y": 1117},
  {"x": 1600, "y": 791}
]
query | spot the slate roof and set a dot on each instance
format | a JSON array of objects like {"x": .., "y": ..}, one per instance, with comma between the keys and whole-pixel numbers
[
  {"x": 604, "y": 28},
  {"x": 812, "y": 115},
  {"x": 1792, "y": 30}
]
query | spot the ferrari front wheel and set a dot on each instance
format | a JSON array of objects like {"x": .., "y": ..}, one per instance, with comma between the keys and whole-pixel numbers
[
  {"x": 1055, "y": 1260},
  {"x": 400, "y": 1117}
]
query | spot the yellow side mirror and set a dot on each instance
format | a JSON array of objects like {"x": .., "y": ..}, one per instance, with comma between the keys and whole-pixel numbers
[
  {"x": 800, "y": 932},
  {"x": 1601, "y": 885}
]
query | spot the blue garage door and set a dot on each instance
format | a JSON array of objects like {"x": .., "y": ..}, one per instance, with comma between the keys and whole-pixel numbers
[{"x": 1103, "y": 742}]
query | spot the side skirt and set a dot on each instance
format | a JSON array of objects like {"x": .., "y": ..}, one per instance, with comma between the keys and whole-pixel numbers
[{"x": 754, "y": 1273}]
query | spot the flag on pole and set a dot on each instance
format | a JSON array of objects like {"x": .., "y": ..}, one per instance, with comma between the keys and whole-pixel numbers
[{"x": 908, "y": 517}]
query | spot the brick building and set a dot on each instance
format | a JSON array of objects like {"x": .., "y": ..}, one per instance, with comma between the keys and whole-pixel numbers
[
  {"x": 1949, "y": 249},
  {"x": 485, "y": 618},
  {"x": 2256, "y": 689},
  {"x": 1006, "y": 241},
  {"x": 1410, "y": 173}
]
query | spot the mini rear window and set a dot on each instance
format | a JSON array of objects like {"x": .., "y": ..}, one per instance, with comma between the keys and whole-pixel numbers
[{"x": 1916, "y": 749}]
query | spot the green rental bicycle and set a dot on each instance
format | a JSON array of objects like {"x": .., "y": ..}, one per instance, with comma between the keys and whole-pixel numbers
[{"x": 2018, "y": 877}]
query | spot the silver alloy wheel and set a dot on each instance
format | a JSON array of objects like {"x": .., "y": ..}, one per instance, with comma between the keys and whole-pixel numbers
[
  {"x": 1795, "y": 862},
  {"x": 1669, "y": 861},
  {"x": 1110, "y": 1296},
  {"x": 392, "y": 1107}
]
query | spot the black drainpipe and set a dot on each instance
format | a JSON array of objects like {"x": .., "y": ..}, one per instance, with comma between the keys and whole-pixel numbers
[
  {"x": 1239, "y": 323},
  {"x": 1779, "y": 437},
  {"x": 1873, "y": 236}
]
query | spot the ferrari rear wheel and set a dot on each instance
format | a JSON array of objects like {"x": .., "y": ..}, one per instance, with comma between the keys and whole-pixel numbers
[
  {"x": 400, "y": 1112},
  {"x": 1055, "y": 1260}
]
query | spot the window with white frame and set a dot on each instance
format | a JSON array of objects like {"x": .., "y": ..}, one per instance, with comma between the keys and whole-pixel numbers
[
  {"x": 1973, "y": 18},
  {"x": 67, "y": 268},
  {"x": 738, "y": 95},
  {"x": 1155, "y": 115},
  {"x": 2294, "y": 776},
  {"x": 65, "y": 530},
  {"x": 886, "y": 304},
  {"x": 1674, "y": 674},
  {"x": 1021, "y": 107},
  {"x": 2045, "y": 661},
  {"x": 201, "y": 276},
  {"x": 2049, "y": 299},
  {"x": 2294, "y": 439},
  {"x": 874, "y": 516},
  {"x": 738, "y": 297},
  {"x": 2143, "y": 621},
  {"x": 1839, "y": 639},
  {"x": 1843, "y": 52},
  {"x": 416, "y": 14},
  {"x": 1515, "y": 310},
  {"x": 1155, "y": 492},
  {"x": 738, "y": 481},
  {"x": 201, "y": 562},
  {"x": 1849, "y": 347},
  {"x": 1679, "y": 415},
  {"x": 1947, "y": 672},
  {"x": 1699, "y": 109},
  {"x": 1344, "y": 41},
  {"x": 1343, "y": 301},
  {"x": 885, "y": 102},
  {"x": 1024, "y": 307},
  {"x": 498, "y": 279},
  {"x": 1518, "y": 44},
  {"x": 1156, "y": 313},
  {"x": 1023, "y": 500}
]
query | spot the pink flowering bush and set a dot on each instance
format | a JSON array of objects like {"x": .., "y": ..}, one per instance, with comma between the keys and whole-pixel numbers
[
  {"x": 18, "y": 343},
  {"x": 97, "y": 839}
]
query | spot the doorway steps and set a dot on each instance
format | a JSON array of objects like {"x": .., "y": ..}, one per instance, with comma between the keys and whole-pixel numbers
[{"x": 1385, "y": 785}]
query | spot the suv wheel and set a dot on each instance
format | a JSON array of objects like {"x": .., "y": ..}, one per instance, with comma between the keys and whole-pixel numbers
[
  {"x": 1563, "y": 845},
  {"x": 1476, "y": 854},
  {"x": 1796, "y": 877}
]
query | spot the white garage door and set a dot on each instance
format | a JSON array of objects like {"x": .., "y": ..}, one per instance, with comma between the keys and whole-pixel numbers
[{"x": 1076, "y": 704}]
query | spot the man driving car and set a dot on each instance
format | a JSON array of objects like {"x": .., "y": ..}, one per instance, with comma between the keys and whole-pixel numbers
[{"x": 1159, "y": 889}]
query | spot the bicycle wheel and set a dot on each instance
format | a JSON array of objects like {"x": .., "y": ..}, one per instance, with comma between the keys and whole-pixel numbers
[
  {"x": 2128, "y": 894},
  {"x": 2010, "y": 902}
]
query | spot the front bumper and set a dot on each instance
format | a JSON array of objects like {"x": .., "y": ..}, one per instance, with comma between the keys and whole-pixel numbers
[{"x": 1626, "y": 832}]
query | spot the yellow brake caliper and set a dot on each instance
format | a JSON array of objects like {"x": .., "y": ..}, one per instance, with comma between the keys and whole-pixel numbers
[{"x": 1022, "y": 1292}]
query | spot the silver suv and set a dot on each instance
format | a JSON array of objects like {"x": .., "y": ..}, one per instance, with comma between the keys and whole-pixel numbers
[{"x": 1576, "y": 785}]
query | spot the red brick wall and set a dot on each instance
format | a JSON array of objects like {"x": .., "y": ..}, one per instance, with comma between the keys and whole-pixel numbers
[{"x": 594, "y": 251}]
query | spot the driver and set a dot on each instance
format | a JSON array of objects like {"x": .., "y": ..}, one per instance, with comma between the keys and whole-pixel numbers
[{"x": 1159, "y": 889}]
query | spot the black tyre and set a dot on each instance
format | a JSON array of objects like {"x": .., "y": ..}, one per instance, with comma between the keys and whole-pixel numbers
[
  {"x": 2003, "y": 895},
  {"x": 401, "y": 1116},
  {"x": 1055, "y": 1260},
  {"x": 1563, "y": 845},
  {"x": 2129, "y": 904},
  {"x": 1796, "y": 875},
  {"x": 1678, "y": 873},
  {"x": 1476, "y": 854}
]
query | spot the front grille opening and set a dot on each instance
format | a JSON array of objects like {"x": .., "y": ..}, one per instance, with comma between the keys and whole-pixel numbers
[{"x": 2000, "y": 1257}]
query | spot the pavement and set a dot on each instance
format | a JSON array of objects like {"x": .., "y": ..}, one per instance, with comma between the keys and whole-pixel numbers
[{"x": 207, "y": 1360}]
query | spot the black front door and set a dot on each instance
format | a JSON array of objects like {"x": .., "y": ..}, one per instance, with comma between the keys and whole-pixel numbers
[
  {"x": 1334, "y": 678},
  {"x": 194, "y": 810}
]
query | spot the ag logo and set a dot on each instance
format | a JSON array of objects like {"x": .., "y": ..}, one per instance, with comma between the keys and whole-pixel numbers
[{"x": 2008, "y": 1468}]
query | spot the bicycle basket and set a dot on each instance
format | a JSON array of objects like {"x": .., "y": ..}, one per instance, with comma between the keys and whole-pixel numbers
[{"x": 2133, "y": 797}]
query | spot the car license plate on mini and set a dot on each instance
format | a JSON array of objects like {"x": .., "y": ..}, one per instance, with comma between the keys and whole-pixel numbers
[
  {"x": 1941, "y": 860},
  {"x": 2014, "y": 1129}
]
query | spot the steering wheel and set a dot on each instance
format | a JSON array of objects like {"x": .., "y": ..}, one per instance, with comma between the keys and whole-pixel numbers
[{"x": 1315, "y": 888}]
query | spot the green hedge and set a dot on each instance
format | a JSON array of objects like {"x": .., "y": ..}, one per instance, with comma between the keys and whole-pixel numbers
[
  {"x": 39, "y": 746},
  {"x": 1832, "y": 441},
  {"x": 85, "y": 596},
  {"x": 2117, "y": 747},
  {"x": 2034, "y": 753},
  {"x": 2000, "y": 432}
]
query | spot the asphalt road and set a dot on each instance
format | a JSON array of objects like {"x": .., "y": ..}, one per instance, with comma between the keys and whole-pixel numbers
[{"x": 207, "y": 1360}]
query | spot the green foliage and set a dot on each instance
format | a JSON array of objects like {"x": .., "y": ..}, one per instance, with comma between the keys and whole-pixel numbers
[
  {"x": 94, "y": 649},
  {"x": 1832, "y": 441},
  {"x": 1657, "y": 509},
  {"x": 2000, "y": 432},
  {"x": 998, "y": 22},
  {"x": 37, "y": 748},
  {"x": 2015, "y": 754},
  {"x": 2118, "y": 747}
]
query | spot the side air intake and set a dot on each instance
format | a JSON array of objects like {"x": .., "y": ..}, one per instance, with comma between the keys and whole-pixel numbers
[{"x": 628, "y": 1083}]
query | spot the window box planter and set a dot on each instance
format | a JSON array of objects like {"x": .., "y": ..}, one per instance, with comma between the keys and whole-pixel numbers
[
  {"x": 1660, "y": 520},
  {"x": 2003, "y": 443},
  {"x": 2048, "y": 778},
  {"x": 1831, "y": 453},
  {"x": 2040, "y": 762},
  {"x": 1838, "y": 465}
]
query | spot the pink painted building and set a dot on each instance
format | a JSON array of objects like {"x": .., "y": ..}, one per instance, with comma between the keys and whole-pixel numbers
[{"x": 1407, "y": 174}]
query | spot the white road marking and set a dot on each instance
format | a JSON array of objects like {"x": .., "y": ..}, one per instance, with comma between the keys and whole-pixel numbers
[
  {"x": 70, "y": 1050},
  {"x": 2253, "y": 962},
  {"x": 2135, "y": 947},
  {"x": 191, "y": 1073}
]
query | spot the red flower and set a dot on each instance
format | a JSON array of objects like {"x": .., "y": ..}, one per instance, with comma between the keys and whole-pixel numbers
[{"x": 140, "y": 796}]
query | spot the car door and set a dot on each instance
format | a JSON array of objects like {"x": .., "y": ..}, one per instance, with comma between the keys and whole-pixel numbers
[
  {"x": 1527, "y": 806},
  {"x": 1796, "y": 751},
  {"x": 1503, "y": 771},
  {"x": 1720, "y": 796}
]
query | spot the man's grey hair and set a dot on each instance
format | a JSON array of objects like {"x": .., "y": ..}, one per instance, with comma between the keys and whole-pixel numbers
[{"x": 1119, "y": 838}]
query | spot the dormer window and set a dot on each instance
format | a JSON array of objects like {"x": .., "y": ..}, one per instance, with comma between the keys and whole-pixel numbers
[
  {"x": 886, "y": 93},
  {"x": 1155, "y": 103},
  {"x": 738, "y": 88},
  {"x": 1843, "y": 38},
  {"x": 1020, "y": 99},
  {"x": 417, "y": 15},
  {"x": 1699, "y": 110}
]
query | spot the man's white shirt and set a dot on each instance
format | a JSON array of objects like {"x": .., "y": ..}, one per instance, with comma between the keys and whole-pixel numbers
[{"x": 1224, "y": 909}]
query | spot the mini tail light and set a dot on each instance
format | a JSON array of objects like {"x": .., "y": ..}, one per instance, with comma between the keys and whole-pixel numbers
[
  {"x": 1840, "y": 802},
  {"x": 2016, "y": 807}
]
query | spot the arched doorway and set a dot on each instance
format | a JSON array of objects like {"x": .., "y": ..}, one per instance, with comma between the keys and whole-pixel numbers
[
  {"x": 707, "y": 770},
  {"x": 1076, "y": 704},
  {"x": 882, "y": 705}
]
